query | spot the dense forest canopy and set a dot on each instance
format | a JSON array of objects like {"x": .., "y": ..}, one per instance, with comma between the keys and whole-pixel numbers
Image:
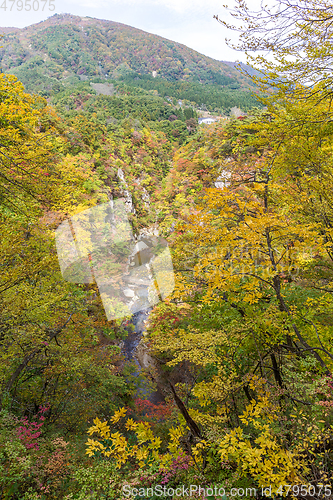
[{"x": 241, "y": 350}]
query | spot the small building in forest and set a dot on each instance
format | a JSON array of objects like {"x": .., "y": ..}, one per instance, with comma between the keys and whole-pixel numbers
[{"x": 207, "y": 120}]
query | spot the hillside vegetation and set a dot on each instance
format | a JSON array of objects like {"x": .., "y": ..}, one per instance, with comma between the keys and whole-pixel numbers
[
  {"x": 68, "y": 49},
  {"x": 241, "y": 350}
]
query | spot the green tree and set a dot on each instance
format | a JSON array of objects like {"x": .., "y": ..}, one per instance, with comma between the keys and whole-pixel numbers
[
  {"x": 253, "y": 292},
  {"x": 49, "y": 328}
]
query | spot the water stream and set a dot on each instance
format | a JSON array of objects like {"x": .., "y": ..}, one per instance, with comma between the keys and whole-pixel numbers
[{"x": 131, "y": 343}]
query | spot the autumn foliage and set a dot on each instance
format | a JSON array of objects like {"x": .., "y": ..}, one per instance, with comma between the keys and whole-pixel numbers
[{"x": 241, "y": 352}]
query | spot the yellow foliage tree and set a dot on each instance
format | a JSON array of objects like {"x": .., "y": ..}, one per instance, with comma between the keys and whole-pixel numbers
[{"x": 145, "y": 451}]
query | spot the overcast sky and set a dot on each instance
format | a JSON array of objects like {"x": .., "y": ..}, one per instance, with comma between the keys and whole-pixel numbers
[{"x": 186, "y": 21}]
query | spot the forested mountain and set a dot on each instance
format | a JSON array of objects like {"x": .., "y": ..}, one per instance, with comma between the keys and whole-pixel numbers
[
  {"x": 67, "y": 46},
  {"x": 67, "y": 49}
]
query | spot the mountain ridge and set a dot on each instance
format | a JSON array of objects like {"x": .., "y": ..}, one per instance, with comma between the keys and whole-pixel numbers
[{"x": 71, "y": 47}]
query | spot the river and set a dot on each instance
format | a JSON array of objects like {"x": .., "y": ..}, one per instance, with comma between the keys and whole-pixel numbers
[{"x": 131, "y": 343}]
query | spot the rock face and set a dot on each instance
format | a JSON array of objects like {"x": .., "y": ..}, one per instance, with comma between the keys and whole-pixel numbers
[
  {"x": 151, "y": 368},
  {"x": 125, "y": 191}
]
